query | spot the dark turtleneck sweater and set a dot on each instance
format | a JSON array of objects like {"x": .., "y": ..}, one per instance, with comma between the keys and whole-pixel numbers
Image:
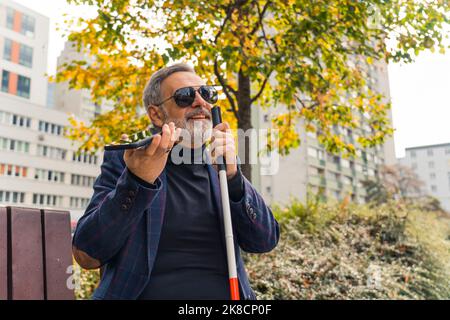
[{"x": 191, "y": 260}]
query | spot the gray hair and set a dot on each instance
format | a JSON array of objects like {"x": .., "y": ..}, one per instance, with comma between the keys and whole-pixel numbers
[{"x": 152, "y": 91}]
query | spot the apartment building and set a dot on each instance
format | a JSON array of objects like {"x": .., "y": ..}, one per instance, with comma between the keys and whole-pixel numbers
[
  {"x": 431, "y": 163},
  {"x": 38, "y": 165},
  {"x": 78, "y": 102}
]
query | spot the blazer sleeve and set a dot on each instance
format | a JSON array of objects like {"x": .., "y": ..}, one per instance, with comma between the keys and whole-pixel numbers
[
  {"x": 255, "y": 227},
  {"x": 118, "y": 204}
]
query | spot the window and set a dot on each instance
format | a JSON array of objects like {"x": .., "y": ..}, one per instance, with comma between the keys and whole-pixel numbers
[
  {"x": 26, "y": 56},
  {"x": 413, "y": 154},
  {"x": 79, "y": 203},
  {"x": 12, "y": 197},
  {"x": 23, "y": 87},
  {"x": 14, "y": 119},
  {"x": 430, "y": 152},
  {"x": 27, "y": 23},
  {"x": 10, "y": 18},
  {"x": 336, "y": 176},
  {"x": 27, "y": 27},
  {"x": 49, "y": 175},
  {"x": 47, "y": 199},
  {"x": 364, "y": 156},
  {"x": 83, "y": 181},
  {"x": 432, "y": 176},
  {"x": 5, "y": 81},
  {"x": 23, "y": 84},
  {"x": 336, "y": 160},
  {"x": 7, "y": 50},
  {"x": 51, "y": 152},
  {"x": 433, "y": 188},
  {"x": 13, "y": 170},
  {"x": 320, "y": 155},
  {"x": 414, "y": 166},
  {"x": 14, "y": 145},
  {"x": 84, "y": 158},
  {"x": 345, "y": 163},
  {"x": 51, "y": 128},
  {"x": 312, "y": 152},
  {"x": 431, "y": 164},
  {"x": 447, "y": 151}
]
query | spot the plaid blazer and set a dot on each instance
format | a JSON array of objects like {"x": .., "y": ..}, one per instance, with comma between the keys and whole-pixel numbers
[{"x": 122, "y": 224}]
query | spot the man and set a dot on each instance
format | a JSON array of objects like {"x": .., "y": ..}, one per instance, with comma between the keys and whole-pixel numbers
[{"x": 155, "y": 223}]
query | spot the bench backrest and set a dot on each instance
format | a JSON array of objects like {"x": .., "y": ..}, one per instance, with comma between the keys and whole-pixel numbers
[{"x": 35, "y": 254}]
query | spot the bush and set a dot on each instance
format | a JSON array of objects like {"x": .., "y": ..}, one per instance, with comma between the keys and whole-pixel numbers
[
  {"x": 85, "y": 281},
  {"x": 347, "y": 251},
  {"x": 340, "y": 251}
]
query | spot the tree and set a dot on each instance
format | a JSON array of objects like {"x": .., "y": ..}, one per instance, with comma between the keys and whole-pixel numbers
[
  {"x": 395, "y": 182},
  {"x": 309, "y": 56}
]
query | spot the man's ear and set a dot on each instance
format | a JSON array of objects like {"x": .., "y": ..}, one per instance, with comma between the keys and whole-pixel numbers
[{"x": 156, "y": 115}]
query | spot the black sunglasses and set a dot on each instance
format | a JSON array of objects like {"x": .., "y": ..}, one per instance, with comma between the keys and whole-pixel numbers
[{"x": 184, "y": 97}]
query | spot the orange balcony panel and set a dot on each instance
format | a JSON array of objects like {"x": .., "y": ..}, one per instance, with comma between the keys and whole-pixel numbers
[
  {"x": 15, "y": 51},
  {"x": 13, "y": 78},
  {"x": 17, "y": 26}
]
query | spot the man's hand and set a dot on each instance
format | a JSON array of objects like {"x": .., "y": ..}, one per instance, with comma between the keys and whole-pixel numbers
[
  {"x": 148, "y": 163},
  {"x": 223, "y": 145}
]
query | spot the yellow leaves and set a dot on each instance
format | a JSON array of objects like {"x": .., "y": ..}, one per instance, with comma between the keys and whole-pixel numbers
[
  {"x": 310, "y": 127},
  {"x": 306, "y": 61},
  {"x": 289, "y": 138}
]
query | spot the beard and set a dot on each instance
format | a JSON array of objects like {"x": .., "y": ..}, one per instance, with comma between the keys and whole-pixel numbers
[{"x": 194, "y": 132}]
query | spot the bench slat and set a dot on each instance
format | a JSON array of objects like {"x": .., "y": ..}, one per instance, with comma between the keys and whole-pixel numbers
[
  {"x": 27, "y": 258},
  {"x": 58, "y": 249},
  {"x": 3, "y": 255}
]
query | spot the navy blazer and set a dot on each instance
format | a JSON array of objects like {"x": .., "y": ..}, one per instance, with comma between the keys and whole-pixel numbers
[{"x": 122, "y": 224}]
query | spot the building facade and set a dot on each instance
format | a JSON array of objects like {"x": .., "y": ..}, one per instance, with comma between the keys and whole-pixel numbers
[
  {"x": 78, "y": 102},
  {"x": 432, "y": 165},
  {"x": 39, "y": 166},
  {"x": 23, "y": 44}
]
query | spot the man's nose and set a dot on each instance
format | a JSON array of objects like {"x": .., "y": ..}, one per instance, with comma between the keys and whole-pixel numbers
[{"x": 200, "y": 102}]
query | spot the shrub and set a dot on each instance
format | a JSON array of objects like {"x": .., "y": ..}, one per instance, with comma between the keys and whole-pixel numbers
[
  {"x": 347, "y": 251},
  {"x": 339, "y": 251}
]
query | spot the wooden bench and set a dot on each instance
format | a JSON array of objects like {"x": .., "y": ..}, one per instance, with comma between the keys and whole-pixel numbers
[{"x": 35, "y": 254}]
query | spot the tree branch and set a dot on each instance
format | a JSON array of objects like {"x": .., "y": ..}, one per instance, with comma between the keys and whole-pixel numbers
[
  {"x": 261, "y": 17},
  {"x": 226, "y": 89},
  {"x": 229, "y": 12},
  {"x": 261, "y": 89}
]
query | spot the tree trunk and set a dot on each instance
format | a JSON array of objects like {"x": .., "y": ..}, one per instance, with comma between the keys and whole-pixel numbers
[{"x": 244, "y": 123}]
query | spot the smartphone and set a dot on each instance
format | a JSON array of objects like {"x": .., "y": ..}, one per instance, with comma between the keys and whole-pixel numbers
[{"x": 137, "y": 140}]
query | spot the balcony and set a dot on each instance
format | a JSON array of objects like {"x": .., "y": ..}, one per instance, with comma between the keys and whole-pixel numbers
[{"x": 316, "y": 162}]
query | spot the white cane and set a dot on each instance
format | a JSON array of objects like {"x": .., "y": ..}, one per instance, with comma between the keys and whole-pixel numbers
[{"x": 234, "y": 284}]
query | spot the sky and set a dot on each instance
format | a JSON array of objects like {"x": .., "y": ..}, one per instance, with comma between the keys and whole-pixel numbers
[{"x": 420, "y": 91}]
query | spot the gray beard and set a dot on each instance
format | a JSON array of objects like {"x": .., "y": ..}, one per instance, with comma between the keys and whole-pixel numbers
[{"x": 194, "y": 133}]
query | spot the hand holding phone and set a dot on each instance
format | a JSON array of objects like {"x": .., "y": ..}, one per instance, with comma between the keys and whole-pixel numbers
[{"x": 148, "y": 163}]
